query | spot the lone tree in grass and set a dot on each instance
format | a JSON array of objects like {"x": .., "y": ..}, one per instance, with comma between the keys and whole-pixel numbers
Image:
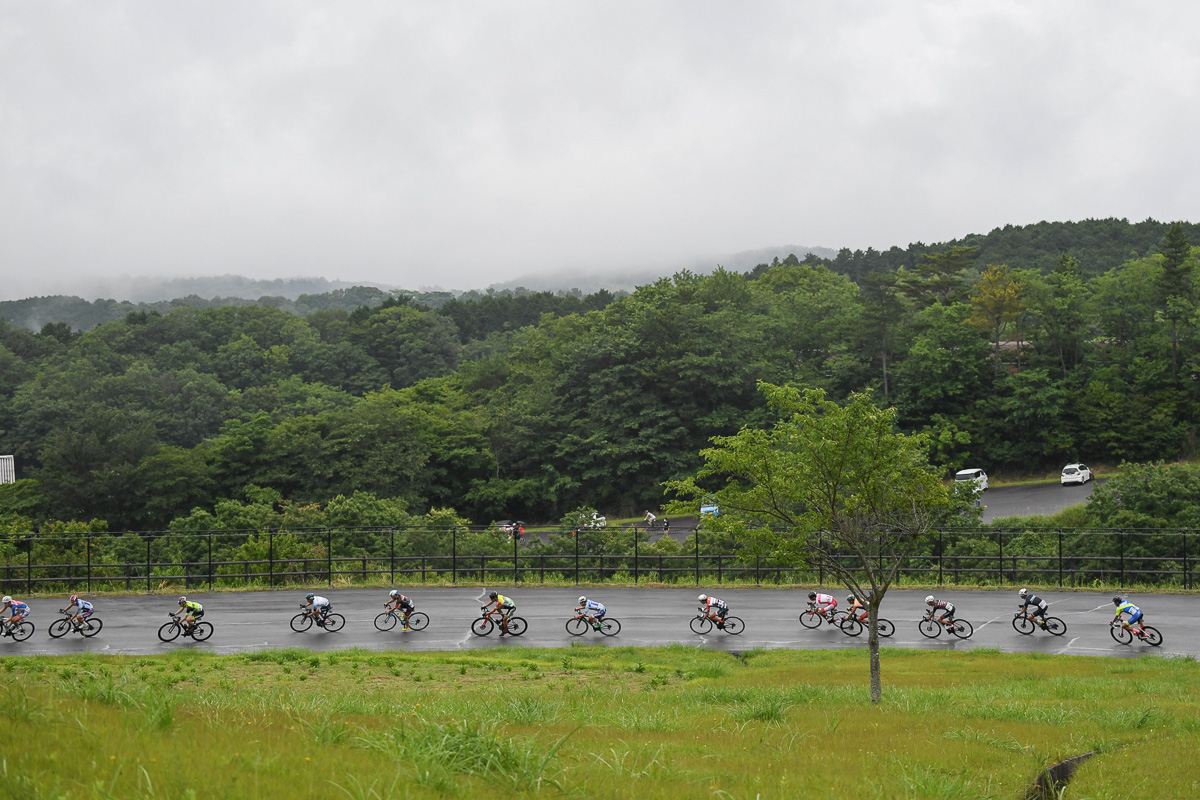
[{"x": 830, "y": 486}]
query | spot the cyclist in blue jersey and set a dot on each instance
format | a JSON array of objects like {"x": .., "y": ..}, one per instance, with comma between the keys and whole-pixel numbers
[
  {"x": 79, "y": 609},
  {"x": 592, "y": 610},
  {"x": 1135, "y": 615},
  {"x": 17, "y": 612}
]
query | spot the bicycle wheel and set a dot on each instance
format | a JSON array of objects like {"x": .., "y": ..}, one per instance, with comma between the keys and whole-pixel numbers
[
  {"x": 334, "y": 623},
  {"x": 701, "y": 625},
  {"x": 202, "y": 631},
  {"x": 169, "y": 632},
  {"x": 1153, "y": 637},
  {"x": 1023, "y": 625},
  {"x": 517, "y": 626},
  {"x": 23, "y": 631},
  {"x": 851, "y": 627},
  {"x": 577, "y": 626},
  {"x": 610, "y": 627},
  {"x": 1120, "y": 635},
  {"x": 1055, "y": 626},
  {"x": 301, "y": 622},
  {"x": 962, "y": 629},
  {"x": 930, "y": 628},
  {"x": 59, "y": 628},
  {"x": 886, "y": 628},
  {"x": 734, "y": 625},
  {"x": 418, "y": 621},
  {"x": 811, "y": 619},
  {"x": 385, "y": 621},
  {"x": 482, "y": 626},
  {"x": 91, "y": 627}
]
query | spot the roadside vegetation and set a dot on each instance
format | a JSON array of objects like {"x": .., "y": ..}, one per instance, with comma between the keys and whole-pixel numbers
[{"x": 593, "y": 722}]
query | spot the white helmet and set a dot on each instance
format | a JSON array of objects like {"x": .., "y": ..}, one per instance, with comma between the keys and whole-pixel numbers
[
  {"x": 929, "y": 600},
  {"x": 1023, "y": 592},
  {"x": 6, "y": 600},
  {"x": 702, "y": 598},
  {"x": 393, "y": 593},
  {"x": 582, "y": 599}
]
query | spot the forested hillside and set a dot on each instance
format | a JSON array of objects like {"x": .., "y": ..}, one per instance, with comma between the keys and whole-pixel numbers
[{"x": 530, "y": 406}]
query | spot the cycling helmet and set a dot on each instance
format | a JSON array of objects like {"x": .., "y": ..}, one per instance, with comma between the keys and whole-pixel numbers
[
  {"x": 582, "y": 600},
  {"x": 493, "y": 595},
  {"x": 6, "y": 600},
  {"x": 308, "y": 596},
  {"x": 74, "y": 598},
  {"x": 1116, "y": 600},
  {"x": 393, "y": 593},
  {"x": 702, "y": 598},
  {"x": 812, "y": 595},
  {"x": 1023, "y": 592},
  {"x": 850, "y": 599},
  {"x": 929, "y": 600},
  {"x": 182, "y": 600}
]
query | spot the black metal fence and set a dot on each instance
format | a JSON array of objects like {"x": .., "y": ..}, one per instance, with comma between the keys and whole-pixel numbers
[{"x": 229, "y": 559}]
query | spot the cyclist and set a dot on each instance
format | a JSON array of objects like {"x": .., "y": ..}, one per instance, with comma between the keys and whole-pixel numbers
[
  {"x": 317, "y": 607},
  {"x": 80, "y": 610},
  {"x": 1040, "y": 607},
  {"x": 714, "y": 609},
  {"x": 191, "y": 611},
  {"x": 399, "y": 602},
  {"x": 592, "y": 610},
  {"x": 854, "y": 604},
  {"x": 649, "y": 518},
  {"x": 826, "y": 603},
  {"x": 947, "y": 617},
  {"x": 1135, "y": 615},
  {"x": 17, "y": 612},
  {"x": 504, "y": 605}
]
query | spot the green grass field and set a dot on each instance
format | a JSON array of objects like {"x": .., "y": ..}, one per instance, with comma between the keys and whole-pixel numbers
[{"x": 591, "y": 722}]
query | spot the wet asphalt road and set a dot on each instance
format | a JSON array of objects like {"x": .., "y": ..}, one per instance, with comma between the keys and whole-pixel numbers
[
  {"x": 255, "y": 620},
  {"x": 1023, "y": 501}
]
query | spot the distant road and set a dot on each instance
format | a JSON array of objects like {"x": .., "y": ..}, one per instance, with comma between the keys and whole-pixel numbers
[
  {"x": 1023, "y": 501},
  {"x": 246, "y": 621}
]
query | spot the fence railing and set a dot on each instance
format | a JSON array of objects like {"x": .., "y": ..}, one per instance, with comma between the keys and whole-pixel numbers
[{"x": 150, "y": 561}]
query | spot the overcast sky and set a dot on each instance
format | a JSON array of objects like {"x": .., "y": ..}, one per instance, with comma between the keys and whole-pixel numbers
[{"x": 456, "y": 144}]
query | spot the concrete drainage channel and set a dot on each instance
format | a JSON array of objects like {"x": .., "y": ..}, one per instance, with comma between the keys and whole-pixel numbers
[{"x": 1051, "y": 782}]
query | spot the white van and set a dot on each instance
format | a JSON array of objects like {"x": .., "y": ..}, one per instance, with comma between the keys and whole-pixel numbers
[{"x": 976, "y": 475}]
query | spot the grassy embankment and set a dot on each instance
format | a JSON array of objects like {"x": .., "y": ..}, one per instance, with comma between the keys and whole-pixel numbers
[{"x": 592, "y": 722}]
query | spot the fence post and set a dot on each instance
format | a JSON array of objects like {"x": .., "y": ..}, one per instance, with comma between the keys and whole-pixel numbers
[
  {"x": 719, "y": 569},
  {"x": 329, "y": 555},
  {"x": 516, "y": 574},
  {"x": 941, "y": 557},
  {"x": 1060, "y": 558},
  {"x": 542, "y": 564},
  {"x": 393, "y": 559},
  {"x": 454, "y": 556},
  {"x": 147, "y": 565},
  {"x": 1000, "y": 561},
  {"x": 660, "y": 577},
  {"x": 210, "y": 575},
  {"x": 422, "y": 570},
  {"x": 1185, "y": 562},
  {"x": 756, "y": 563},
  {"x": 575, "y": 534},
  {"x": 635, "y": 556},
  {"x": 482, "y": 570},
  {"x": 88, "y": 539},
  {"x": 29, "y": 566},
  {"x": 1121, "y": 542},
  {"x": 820, "y": 560},
  {"x": 271, "y": 558},
  {"x": 696, "y": 533}
]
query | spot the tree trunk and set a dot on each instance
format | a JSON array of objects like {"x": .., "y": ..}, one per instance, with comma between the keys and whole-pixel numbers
[{"x": 873, "y": 648}]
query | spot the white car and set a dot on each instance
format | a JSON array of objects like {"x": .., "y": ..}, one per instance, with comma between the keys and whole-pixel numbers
[
  {"x": 977, "y": 476},
  {"x": 1076, "y": 473}
]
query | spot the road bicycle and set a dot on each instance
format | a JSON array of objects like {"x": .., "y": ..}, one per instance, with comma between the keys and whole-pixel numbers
[
  {"x": 853, "y": 626},
  {"x": 932, "y": 627},
  {"x": 173, "y": 629},
  {"x": 1123, "y": 635},
  {"x": 19, "y": 632},
  {"x": 61, "y": 627},
  {"x": 417, "y": 620},
  {"x": 702, "y": 623},
  {"x": 578, "y": 625},
  {"x": 305, "y": 619},
  {"x": 810, "y": 617},
  {"x": 1024, "y": 624},
  {"x": 494, "y": 619}
]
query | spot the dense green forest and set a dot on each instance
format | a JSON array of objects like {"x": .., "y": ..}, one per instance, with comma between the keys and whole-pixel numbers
[{"x": 532, "y": 404}]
